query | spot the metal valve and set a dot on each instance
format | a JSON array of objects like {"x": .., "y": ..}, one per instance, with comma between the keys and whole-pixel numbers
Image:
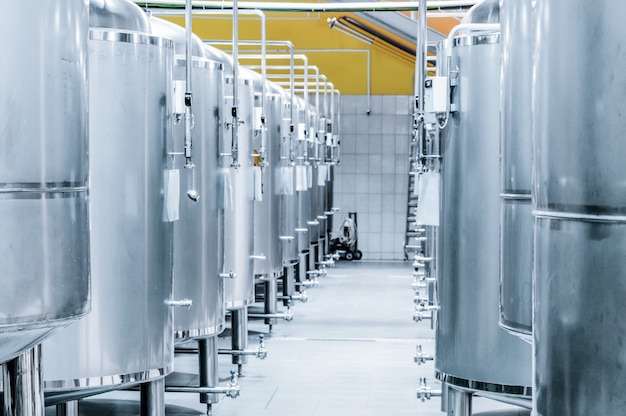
[
  {"x": 261, "y": 352},
  {"x": 421, "y": 358},
  {"x": 183, "y": 302},
  {"x": 424, "y": 392},
  {"x": 418, "y": 300},
  {"x": 230, "y": 275},
  {"x": 233, "y": 388}
]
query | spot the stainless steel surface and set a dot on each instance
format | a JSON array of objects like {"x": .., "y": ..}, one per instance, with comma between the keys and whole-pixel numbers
[
  {"x": 198, "y": 254},
  {"x": 23, "y": 385},
  {"x": 459, "y": 403},
  {"x": 127, "y": 338},
  {"x": 67, "y": 409},
  {"x": 472, "y": 350},
  {"x": 153, "y": 398},
  {"x": 580, "y": 199},
  {"x": 208, "y": 369},
  {"x": 122, "y": 15},
  {"x": 44, "y": 225},
  {"x": 516, "y": 243},
  {"x": 267, "y": 211},
  {"x": 238, "y": 217},
  {"x": 239, "y": 341}
]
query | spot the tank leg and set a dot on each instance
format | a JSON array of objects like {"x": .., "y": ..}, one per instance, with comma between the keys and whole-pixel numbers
[
  {"x": 23, "y": 385},
  {"x": 459, "y": 402},
  {"x": 271, "y": 300},
  {"x": 208, "y": 371},
  {"x": 67, "y": 408},
  {"x": 239, "y": 321},
  {"x": 153, "y": 398},
  {"x": 303, "y": 265},
  {"x": 444, "y": 397},
  {"x": 313, "y": 256},
  {"x": 288, "y": 283}
]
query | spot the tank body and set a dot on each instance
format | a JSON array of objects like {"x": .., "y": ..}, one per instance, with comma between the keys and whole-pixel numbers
[
  {"x": 44, "y": 224},
  {"x": 238, "y": 191},
  {"x": 473, "y": 352},
  {"x": 127, "y": 338},
  {"x": 198, "y": 252},
  {"x": 267, "y": 206},
  {"x": 580, "y": 197},
  {"x": 516, "y": 245}
]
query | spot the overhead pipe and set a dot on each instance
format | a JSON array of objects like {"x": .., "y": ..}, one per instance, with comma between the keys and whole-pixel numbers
[
  {"x": 316, "y": 7},
  {"x": 487, "y": 27}
]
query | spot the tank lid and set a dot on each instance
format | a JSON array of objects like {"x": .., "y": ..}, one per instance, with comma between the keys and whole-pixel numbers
[
  {"x": 488, "y": 11},
  {"x": 218, "y": 55},
  {"x": 117, "y": 14},
  {"x": 169, "y": 30}
]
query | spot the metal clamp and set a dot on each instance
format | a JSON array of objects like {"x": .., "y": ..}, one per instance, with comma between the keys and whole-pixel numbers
[
  {"x": 258, "y": 257},
  {"x": 314, "y": 222},
  {"x": 286, "y": 238},
  {"x": 424, "y": 392},
  {"x": 183, "y": 302},
  {"x": 322, "y": 217},
  {"x": 421, "y": 358},
  {"x": 302, "y": 230},
  {"x": 230, "y": 275},
  {"x": 328, "y": 213}
]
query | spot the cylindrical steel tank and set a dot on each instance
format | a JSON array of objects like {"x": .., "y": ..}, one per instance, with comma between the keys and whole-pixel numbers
[
  {"x": 516, "y": 244},
  {"x": 303, "y": 193},
  {"x": 580, "y": 194},
  {"x": 197, "y": 249},
  {"x": 266, "y": 208},
  {"x": 239, "y": 217},
  {"x": 44, "y": 225},
  {"x": 315, "y": 221},
  {"x": 127, "y": 338},
  {"x": 473, "y": 352}
]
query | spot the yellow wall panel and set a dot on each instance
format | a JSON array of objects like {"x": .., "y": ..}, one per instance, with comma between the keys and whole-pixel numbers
[{"x": 391, "y": 70}]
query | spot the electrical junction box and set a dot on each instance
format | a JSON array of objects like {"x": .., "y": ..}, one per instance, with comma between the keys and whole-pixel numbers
[{"x": 435, "y": 95}]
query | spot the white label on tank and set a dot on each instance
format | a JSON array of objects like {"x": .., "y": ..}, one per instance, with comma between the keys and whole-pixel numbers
[
  {"x": 171, "y": 191},
  {"x": 301, "y": 131},
  {"x": 179, "y": 97}
]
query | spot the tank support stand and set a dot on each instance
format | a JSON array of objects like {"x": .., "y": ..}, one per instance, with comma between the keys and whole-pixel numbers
[{"x": 23, "y": 385}]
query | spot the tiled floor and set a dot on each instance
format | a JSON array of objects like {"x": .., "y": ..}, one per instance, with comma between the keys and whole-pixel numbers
[{"x": 348, "y": 351}]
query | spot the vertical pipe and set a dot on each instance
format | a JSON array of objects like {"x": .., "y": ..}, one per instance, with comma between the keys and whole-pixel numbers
[
  {"x": 188, "y": 94},
  {"x": 420, "y": 62},
  {"x": 23, "y": 385},
  {"x": 234, "y": 111},
  {"x": 153, "y": 398}
]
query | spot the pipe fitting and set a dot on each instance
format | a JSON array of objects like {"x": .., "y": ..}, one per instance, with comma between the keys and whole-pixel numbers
[
  {"x": 187, "y": 303},
  {"x": 424, "y": 392},
  {"x": 421, "y": 358}
]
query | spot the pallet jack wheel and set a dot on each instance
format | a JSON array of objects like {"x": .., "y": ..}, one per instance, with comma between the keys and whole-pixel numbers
[
  {"x": 349, "y": 255},
  {"x": 358, "y": 255}
]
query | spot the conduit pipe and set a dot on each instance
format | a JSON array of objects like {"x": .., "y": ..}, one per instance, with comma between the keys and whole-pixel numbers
[
  {"x": 316, "y": 7},
  {"x": 487, "y": 27}
]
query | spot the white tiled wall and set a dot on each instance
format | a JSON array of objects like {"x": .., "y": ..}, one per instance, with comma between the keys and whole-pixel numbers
[{"x": 372, "y": 178}]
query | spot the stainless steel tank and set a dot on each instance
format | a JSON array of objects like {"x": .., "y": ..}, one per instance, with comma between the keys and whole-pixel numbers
[
  {"x": 127, "y": 338},
  {"x": 315, "y": 222},
  {"x": 473, "y": 352},
  {"x": 239, "y": 217},
  {"x": 44, "y": 225},
  {"x": 516, "y": 245},
  {"x": 303, "y": 173},
  {"x": 580, "y": 194},
  {"x": 266, "y": 209},
  {"x": 284, "y": 172},
  {"x": 198, "y": 254}
]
